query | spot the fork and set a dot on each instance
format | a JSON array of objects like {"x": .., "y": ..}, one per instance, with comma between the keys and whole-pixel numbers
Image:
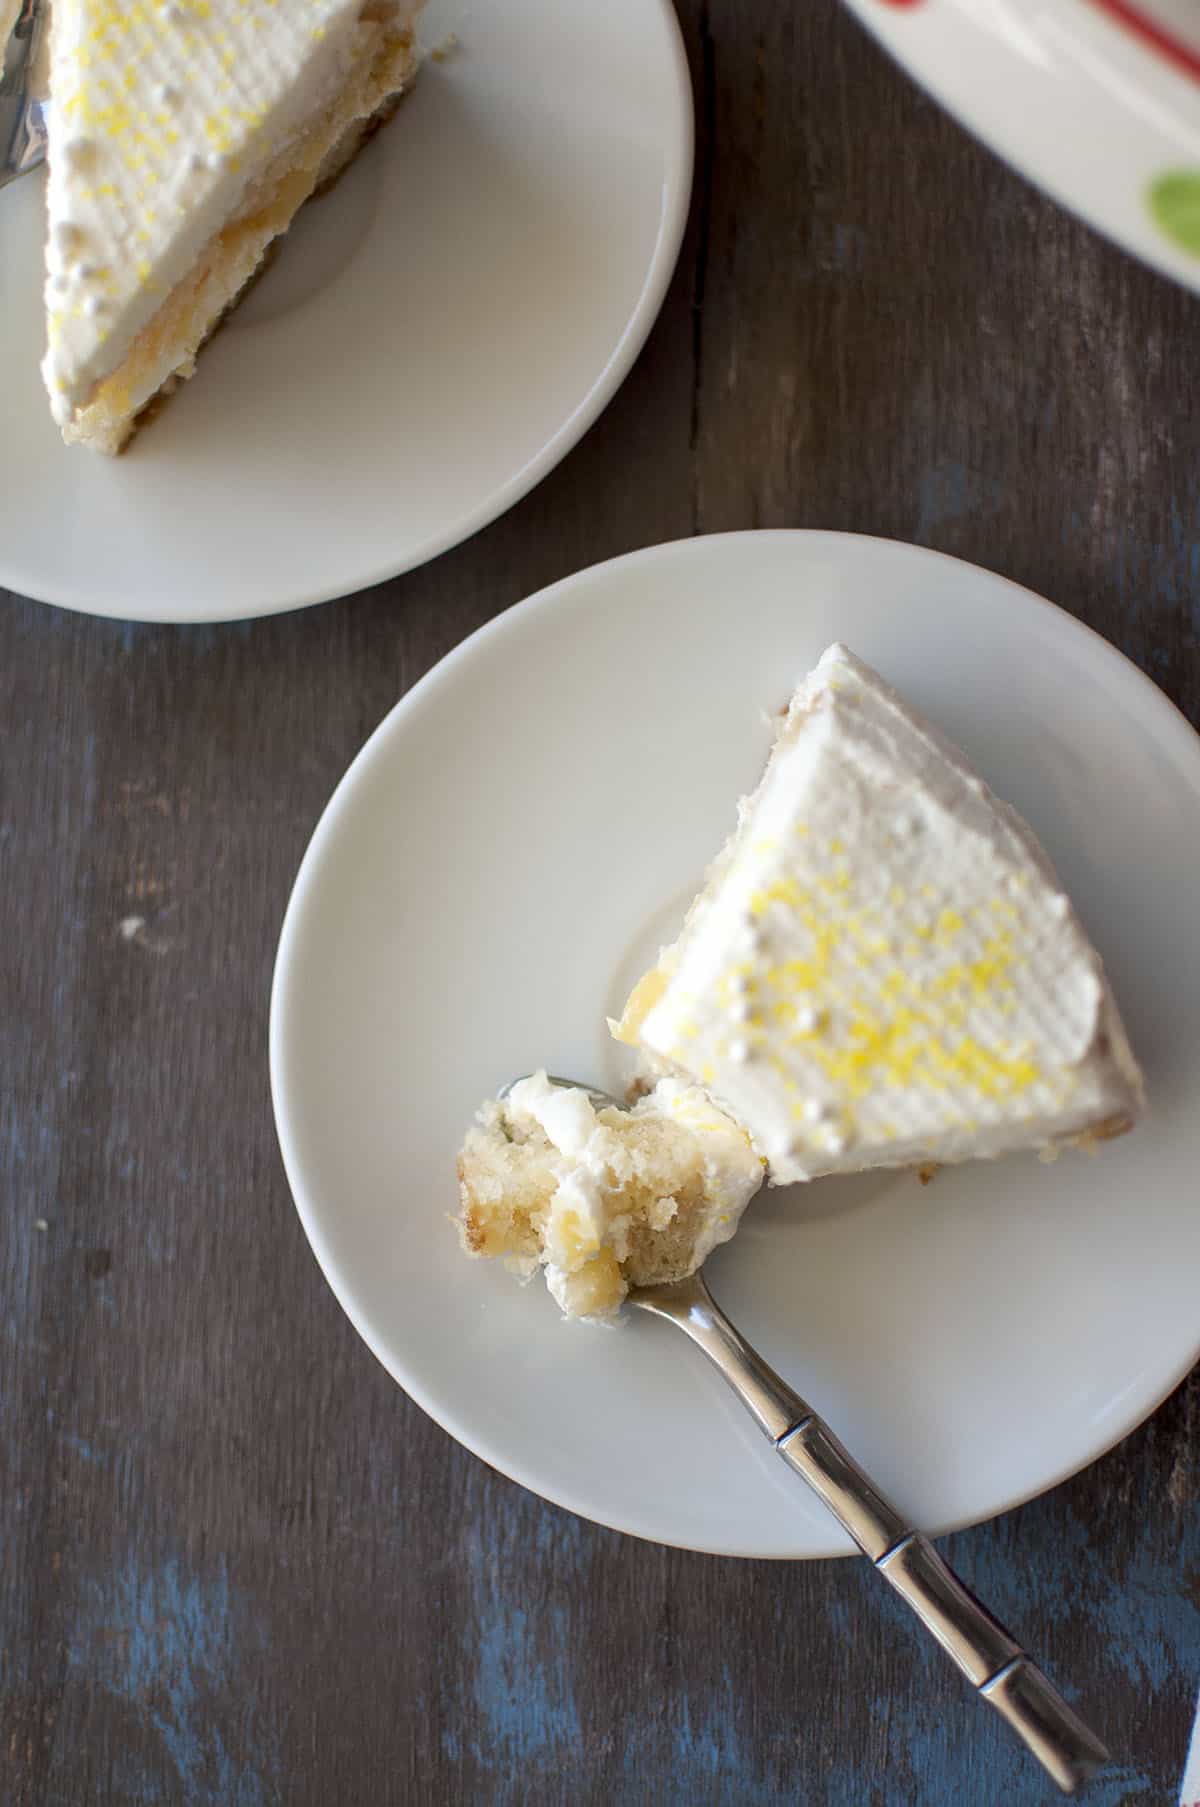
[
  {"x": 989, "y": 1656},
  {"x": 22, "y": 117}
]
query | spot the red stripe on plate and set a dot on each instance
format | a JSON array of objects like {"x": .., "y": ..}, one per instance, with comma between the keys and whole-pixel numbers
[{"x": 1151, "y": 32}]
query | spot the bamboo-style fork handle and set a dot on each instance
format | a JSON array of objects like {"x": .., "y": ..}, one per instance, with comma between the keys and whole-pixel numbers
[{"x": 991, "y": 1659}]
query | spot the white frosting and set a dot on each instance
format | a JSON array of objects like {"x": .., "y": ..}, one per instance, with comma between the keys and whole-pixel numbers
[
  {"x": 588, "y": 1211},
  {"x": 579, "y": 1220},
  {"x": 732, "y": 1171},
  {"x": 164, "y": 116},
  {"x": 919, "y": 987}
]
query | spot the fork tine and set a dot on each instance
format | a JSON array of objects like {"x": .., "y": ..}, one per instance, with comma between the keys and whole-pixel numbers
[
  {"x": 22, "y": 116},
  {"x": 599, "y": 1100}
]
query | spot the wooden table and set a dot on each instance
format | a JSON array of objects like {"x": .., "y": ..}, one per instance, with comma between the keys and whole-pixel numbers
[{"x": 237, "y": 1566}]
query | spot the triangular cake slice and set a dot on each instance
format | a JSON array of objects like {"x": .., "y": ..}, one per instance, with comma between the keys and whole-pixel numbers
[
  {"x": 882, "y": 969},
  {"x": 183, "y": 137}
]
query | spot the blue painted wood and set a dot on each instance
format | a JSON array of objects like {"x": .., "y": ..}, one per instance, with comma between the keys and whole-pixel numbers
[{"x": 236, "y": 1565}]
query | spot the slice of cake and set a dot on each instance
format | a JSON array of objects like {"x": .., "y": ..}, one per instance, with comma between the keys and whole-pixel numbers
[
  {"x": 183, "y": 137},
  {"x": 605, "y": 1199},
  {"x": 882, "y": 969}
]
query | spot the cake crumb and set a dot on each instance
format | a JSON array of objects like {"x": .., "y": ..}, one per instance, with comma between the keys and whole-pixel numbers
[
  {"x": 601, "y": 1198},
  {"x": 446, "y": 49},
  {"x": 926, "y": 1171},
  {"x": 39, "y": 1223}
]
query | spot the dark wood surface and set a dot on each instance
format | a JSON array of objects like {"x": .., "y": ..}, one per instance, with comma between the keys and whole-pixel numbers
[{"x": 236, "y": 1564}]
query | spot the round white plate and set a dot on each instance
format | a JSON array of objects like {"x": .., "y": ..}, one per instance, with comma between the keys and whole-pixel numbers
[
  {"x": 434, "y": 336},
  {"x": 515, "y": 840},
  {"x": 1097, "y": 101}
]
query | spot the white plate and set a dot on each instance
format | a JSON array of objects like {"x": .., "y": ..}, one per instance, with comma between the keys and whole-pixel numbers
[
  {"x": 1097, "y": 101},
  {"x": 433, "y": 338},
  {"x": 517, "y": 837}
]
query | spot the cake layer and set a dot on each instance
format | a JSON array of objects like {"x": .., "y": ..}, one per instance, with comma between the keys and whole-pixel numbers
[
  {"x": 602, "y": 1200},
  {"x": 882, "y": 968}
]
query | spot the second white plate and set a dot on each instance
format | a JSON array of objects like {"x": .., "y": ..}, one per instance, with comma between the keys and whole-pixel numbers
[
  {"x": 1097, "y": 101},
  {"x": 433, "y": 338},
  {"x": 501, "y": 858}
]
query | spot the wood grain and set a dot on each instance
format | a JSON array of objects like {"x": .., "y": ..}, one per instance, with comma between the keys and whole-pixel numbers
[{"x": 237, "y": 1566}]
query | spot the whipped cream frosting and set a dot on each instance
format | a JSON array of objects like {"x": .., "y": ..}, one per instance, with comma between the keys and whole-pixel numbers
[
  {"x": 587, "y": 1212},
  {"x": 164, "y": 114},
  {"x": 882, "y": 968}
]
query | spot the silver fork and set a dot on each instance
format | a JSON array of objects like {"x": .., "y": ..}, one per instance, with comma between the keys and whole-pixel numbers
[
  {"x": 988, "y": 1655},
  {"x": 22, "y": 118}
]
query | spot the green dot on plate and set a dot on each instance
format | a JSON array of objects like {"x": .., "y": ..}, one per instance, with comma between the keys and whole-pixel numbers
[{"x": 1174, "y": 201}]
